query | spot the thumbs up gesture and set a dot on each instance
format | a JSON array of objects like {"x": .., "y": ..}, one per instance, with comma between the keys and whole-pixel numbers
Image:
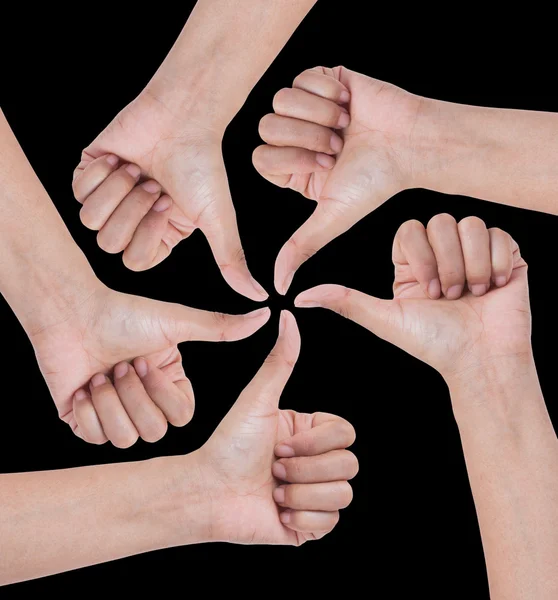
[
  {"x": 460, "y": 297},
  {"x": 135, "y": 340},
  {"x": 273, "y": 476}
]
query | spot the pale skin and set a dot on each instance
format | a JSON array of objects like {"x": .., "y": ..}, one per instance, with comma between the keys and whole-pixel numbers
[
  {"x": 156, "y": 173},
  {"x": 266, "y": 476},
  {"x": 480, "y": 342},
  {"x": 350, "y": 142},
  {"x": 80, "y": 329}
]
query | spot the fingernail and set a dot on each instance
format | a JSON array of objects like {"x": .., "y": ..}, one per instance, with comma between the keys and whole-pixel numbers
[
  {"x": 500, "y": 281},
  {"x": 344, "y": 96},
  {"x": 80, "y": 395},
  {"x": 336, "y": 143},
  {"x": 285, "y": 516},
  {"x": 279, "y": 471},
  {"x": 287, "y": 282},
  {"x": 120, "y": 370},
  {"x": 344, "y": 119},
  {"x": 133, "y": 170},
  {"x": 162, "y": 204},
  {"x": 112, "y": 160},
  {"x": 257, "y": 313},
  {"x": 307, "y": 304},
  {"x": 259, "y": 288},
  {"x": 284, "y": 451},
  {"x": 279, "y": 495},
  {"x": 454, "y": 292},
  {"x": 140, "y": 364},
  {"x": 98, "y": 380},
  {"x": 151, "y": 186},
  {"x": 325, "y": 160},
  {"x": 479, "y": 289},
  {"x": 434, "y": 289}
]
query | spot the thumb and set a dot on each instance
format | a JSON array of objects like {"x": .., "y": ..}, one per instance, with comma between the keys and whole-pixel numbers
[
  {"x": 184, "y": 324},
  {"x": 262, "y": 394},
  {"x": 218, "y": 223},
  {"x": 328, "y": 221},
  {"x": 381, "y": 317}
]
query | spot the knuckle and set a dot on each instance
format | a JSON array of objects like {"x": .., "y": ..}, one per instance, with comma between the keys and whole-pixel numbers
[
  {"x": 348, "y": 432},
  {"x": 265, "y": 126},
  {"x": 133, "y": 262},
  {"x": 183, "y": 413},
  {"x": 281, "y": 99},
  {"x": 469, "y": 224},
  {"x": 442, "y": 221},
  {"x": 154, "y": 431},
  {"x": 346, "y": 494},
  {"x": 108, "y": 243},
  {"x": 352, "y": 466},
  {"x": 125, "y": 440},
  {"x": 87, "y": 218},
  {"x": 409, "y": 228}
]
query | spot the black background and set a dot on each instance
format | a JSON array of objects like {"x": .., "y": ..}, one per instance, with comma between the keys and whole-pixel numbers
[{"x": 412, "y": 525}]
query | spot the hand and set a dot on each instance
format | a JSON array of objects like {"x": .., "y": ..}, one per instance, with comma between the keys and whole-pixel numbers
[
  {"x": 349, "y": 161},
  {"x": 486, "y": 321},
  {"x": 276, "y": 476},
  {"x": 150, "y": 179},
  {"x": 109, "y": 330}
]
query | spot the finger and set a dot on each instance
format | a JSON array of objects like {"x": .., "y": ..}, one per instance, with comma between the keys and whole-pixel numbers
[
  {"x": 88, "y": 424},
  {"x": 316, "y": 82},
  {"x": 333, "y": 433},
  {"x": 278, "y": 165},
  {"x": 336, "y": 465},
  {"x": 298, "y": 104},
  {"x": 444, "y": 239},
  {"x": 113, "y": 417},
  {"x": 221, "y": 230},
  {"x": 147, "y": 418},
  {"x": 187, "y": 324},
  {"x": 333, "y": 495},
  {"x": 174, "y": 398},
  {"x": 89, "y": 176},
  {"x": 119, "y": 230},
  {"x": 308, "y": 521},
  {"x": 284, "y": 131},
  {"x": 264, "y": 391},
  {"x": 328, "y": 221},
  {"x": 381, "y": 317},
  {"x": 146, "y": 249},
  {"x": 475, "y": 245},
  {"x": 502, "y": 248},
  {"x": 100, "y": 204},
  {"x": 414, "y": 258}
]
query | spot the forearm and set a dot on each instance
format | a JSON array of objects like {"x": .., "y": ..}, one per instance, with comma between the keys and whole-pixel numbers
[
  {"x": 511, "y": 453},
  {"x": 501, "y": 155},
  {"x": 223, "y": 50},
  {"x": 55, "y": 521},
  {"x": 42, "y": 270}
]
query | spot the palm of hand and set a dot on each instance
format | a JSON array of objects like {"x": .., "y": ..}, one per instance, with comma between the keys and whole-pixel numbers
[
  {"x": 109, "y": 328},
  {"x": 241, "y": 455},
  {"x": 444, "y": 332}
]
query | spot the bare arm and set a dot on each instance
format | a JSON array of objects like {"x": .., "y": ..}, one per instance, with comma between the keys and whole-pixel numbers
[
  {"x": 223, "y": 51},
  {"x": 511, "y": 453},
  {"x": 501, "y": 155},
  {"x": 55, "y": 521}
]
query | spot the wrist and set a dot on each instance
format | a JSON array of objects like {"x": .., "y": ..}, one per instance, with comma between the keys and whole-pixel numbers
[
  {"x": 499, "y": 392},
  {"x": 448, "y": 141}
]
